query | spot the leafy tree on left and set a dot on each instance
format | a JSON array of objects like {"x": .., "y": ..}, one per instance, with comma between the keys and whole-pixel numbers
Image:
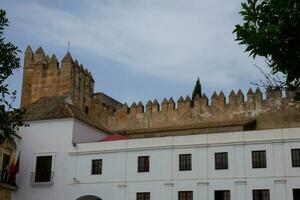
[{"x": 10, "y": 117}]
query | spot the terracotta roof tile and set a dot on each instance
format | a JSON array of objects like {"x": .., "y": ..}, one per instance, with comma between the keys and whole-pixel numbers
[
  {"x": 113, "y": 138},
  {"x": 58, "y": 107}
]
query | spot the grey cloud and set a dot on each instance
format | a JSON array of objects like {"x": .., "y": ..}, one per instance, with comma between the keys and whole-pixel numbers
[{"x": 174, "y": 40}]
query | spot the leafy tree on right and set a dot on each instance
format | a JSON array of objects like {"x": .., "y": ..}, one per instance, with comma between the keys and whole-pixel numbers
[{"x": 271, "y": 29}]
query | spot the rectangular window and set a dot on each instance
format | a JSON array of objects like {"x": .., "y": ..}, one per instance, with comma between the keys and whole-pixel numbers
[
  {"x": 143, "y": 163},
  {"x": 221, "y": 160},
  {"x": 97, "y": 167},
  {"x": 261, "y": 195},
  {"x": 222, "y": 195},
  {"x": 185, "y": 162},
  {"x": 296, "y": 194},
  {"x": 296, "y": 157},
  {"x": 43, "y": 169},
  {"x": 259, "y": 159},
  {"x": 185, "y": 195},
  {"x": 143, "y": 196}
]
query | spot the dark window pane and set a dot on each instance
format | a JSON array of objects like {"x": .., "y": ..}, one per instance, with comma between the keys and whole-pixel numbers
[
  {"x": 259, "y": 159},
  {"x": 222, "y": 195},
  {"x": 96, "y": 166},
  {"x": 221, "y": 160},
  {"x": 185, "y": 162},
  {"x": 143, "y": 163},
  {"x": 43, "y": 169},
  {"x": 261, "y": 194},
  {"x": 296, "y": 194},
  {"x": 143, "y": 196},
  {"x": 296, "y": 157},
  {"x": 185, "y": 195}
]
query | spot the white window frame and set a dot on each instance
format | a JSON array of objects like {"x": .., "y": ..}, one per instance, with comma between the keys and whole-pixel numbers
[{"x": 39, "y": 154}]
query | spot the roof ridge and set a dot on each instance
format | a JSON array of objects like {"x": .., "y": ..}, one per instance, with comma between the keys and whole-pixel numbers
[
  {"x": 59, "y": 107},
  {"x": 70, "y": 110}
]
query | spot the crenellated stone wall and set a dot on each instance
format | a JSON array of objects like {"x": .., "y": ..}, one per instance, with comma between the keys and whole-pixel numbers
[
  {"x": 276, "y": 110},
  {"x": 43, "y": 77}
]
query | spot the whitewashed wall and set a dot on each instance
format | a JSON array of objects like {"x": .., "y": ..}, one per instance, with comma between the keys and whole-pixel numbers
[
  {"x": 83, "y": 132},
  {"x": 121, "y": 181},
  {"x": 49, "y": 137}
]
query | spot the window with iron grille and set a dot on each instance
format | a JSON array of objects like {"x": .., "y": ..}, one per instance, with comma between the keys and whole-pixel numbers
[
  {"x": 259, "y": 159},
  {"x": 222, "y": 195},
  {"x": 185, "y": 195},
  {"x": 43, "y": 169},
  {"x": 185, "y": 162},
  {"x": 143, "y": 196},
  {"x": 261, "y": 195},
  {"x": 221, "y": 160},
  {"x": 296, "y": 157},
  {"x": 96, "y": 167},
  {"x": 143, "y": 163}
]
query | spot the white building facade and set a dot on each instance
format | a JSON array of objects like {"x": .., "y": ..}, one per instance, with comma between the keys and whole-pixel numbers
[
  {"x": 83, "y": 145},
  {"x": 237, "y": 165}
]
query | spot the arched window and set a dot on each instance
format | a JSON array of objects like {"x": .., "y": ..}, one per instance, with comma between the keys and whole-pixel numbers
[{"x": 88, "y": 197}]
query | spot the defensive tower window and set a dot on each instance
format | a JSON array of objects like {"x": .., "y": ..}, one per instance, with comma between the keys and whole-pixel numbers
[{"x": 86, "y": 110}]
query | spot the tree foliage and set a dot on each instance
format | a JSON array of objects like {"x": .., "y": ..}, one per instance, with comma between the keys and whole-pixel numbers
[
  {"x": 10, "y": 118},
  {"x": 271, "y": 28},
  {"x": 197, "y": 90}
]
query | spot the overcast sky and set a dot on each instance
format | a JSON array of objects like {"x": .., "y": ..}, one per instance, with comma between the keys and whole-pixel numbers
[{"x": 139, "y": 49}]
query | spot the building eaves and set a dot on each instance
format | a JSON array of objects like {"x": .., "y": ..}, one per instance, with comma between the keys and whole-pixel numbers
[{"x": 58, "y": 108}]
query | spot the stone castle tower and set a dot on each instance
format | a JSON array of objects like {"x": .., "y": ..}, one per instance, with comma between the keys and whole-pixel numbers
[{"x": 44, "y": 77}]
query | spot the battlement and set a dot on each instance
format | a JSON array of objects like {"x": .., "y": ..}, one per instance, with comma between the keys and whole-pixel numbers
[
  {"x": 217, "y": 103},
  {"x": 205, "y": 112},
  {"x": 45, "y": 77}
]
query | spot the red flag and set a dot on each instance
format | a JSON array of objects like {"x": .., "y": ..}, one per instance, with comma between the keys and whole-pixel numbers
[{"x": 13, "y": 170}]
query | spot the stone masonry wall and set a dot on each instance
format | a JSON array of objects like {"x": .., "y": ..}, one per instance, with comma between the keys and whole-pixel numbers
[
  {"x": 275, "y": 111},
  {"x": 43, "y": 77}
]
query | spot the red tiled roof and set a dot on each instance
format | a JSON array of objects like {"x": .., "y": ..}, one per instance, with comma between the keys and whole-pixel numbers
[
  {"x": 58, "y": 108},
  {"x": 113, "y": 138}
]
